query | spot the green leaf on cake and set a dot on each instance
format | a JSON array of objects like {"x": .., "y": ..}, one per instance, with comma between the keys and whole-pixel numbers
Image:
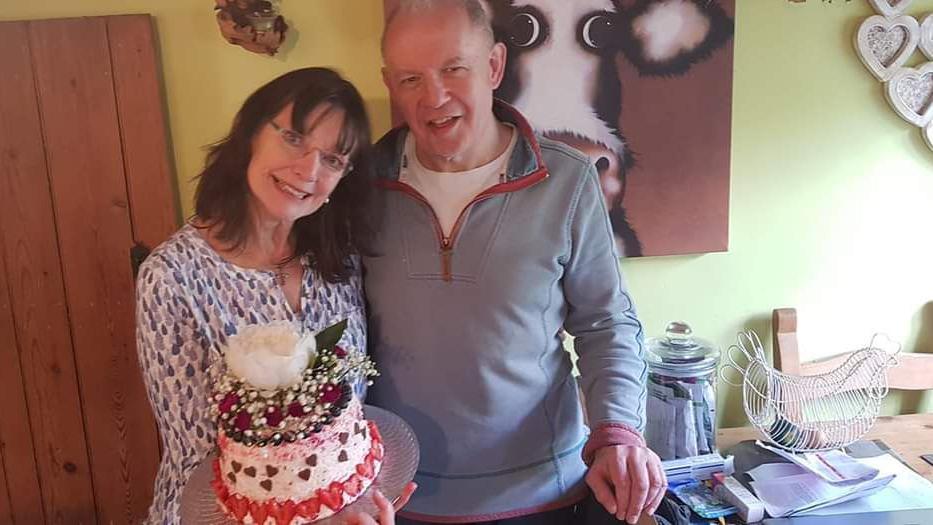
[{"x": 330, "y": 336}]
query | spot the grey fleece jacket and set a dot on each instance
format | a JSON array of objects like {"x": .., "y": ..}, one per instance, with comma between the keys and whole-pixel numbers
[{"x": 466, "y": 333}]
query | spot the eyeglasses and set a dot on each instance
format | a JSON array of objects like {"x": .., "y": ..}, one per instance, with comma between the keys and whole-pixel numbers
[{"x": 332, "y": 162}]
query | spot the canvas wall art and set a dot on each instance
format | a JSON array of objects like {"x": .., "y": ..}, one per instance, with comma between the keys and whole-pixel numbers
[{"x": 644, "y": 87}]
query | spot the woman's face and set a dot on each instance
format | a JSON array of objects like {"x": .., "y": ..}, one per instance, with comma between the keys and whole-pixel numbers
[{"x": 291, "y": 175}]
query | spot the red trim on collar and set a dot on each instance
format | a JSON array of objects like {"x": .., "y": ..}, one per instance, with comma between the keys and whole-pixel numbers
[{"x": 524, "y": 127}]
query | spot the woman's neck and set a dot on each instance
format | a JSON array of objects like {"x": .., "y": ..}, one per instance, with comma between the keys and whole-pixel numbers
[{"x": 269, "y": 243}]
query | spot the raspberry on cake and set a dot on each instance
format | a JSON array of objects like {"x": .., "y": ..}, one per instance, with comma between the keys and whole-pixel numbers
[{"x": 293, "y": 445}]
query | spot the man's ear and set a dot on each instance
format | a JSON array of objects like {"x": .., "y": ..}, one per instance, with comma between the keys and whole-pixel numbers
[
  {"x": 497, "y": 58},
  {"x": 385, "y": 78}
]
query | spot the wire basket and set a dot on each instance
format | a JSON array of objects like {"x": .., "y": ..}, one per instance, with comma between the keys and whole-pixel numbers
[{"x": 810, "y": 413}]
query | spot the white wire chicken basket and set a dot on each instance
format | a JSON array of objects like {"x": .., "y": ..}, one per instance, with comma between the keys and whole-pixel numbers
[{"x": 811, "y": 413}]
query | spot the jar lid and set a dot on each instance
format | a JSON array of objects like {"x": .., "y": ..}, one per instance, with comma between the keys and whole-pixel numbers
[{"x": 679, "y": 353}]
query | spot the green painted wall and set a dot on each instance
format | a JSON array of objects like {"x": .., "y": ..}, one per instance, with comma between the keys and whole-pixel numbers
[
  {"x": 831, "y": 191},
  {"x": 831, "y": 203}
]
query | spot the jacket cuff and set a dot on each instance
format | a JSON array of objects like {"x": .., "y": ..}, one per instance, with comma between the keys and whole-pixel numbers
[{"x": 610, "y": 434}]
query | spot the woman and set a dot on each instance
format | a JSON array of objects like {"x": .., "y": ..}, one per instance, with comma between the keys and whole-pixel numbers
[{"x": 281, "y": 207}]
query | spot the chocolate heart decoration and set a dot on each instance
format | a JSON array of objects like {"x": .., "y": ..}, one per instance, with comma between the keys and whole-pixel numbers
[
  {"x": 910, "y": 92},
  {"x": 890, "y": 8},
  {"x": 266, "y": 484},
  {"x": 926, "y": 36},
  {"x": 250, "y": 471},
  {"x": 236, "y": 466},
  {"x": 305, "y": 474},
  {"x": 884, "y": 45},
  {"x": 271, "y": 471}
]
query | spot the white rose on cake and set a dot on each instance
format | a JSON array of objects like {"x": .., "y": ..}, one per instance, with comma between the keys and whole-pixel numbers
[{"x": 271, "y": 356}]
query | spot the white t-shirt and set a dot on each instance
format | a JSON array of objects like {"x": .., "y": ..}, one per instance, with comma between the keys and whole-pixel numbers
[{"x": 449, "y": 192}]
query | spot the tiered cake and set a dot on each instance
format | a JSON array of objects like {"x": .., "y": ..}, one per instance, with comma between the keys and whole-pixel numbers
[{"x": 293, "y": 445}]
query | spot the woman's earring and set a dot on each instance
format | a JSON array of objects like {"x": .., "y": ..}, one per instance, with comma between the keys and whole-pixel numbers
[{"x": 326, "y": 200}]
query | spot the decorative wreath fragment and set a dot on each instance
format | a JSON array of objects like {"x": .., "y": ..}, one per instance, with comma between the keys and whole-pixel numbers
[
  {"x": 255, "y": 25},
  {"x": 885, "y": 42}
]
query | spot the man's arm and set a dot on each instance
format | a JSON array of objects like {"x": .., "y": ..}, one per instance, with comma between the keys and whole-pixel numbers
[{"x": 626, "y": 477}]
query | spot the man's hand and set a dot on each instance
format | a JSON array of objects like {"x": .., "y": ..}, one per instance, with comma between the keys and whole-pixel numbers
[{"x": 627, "y": 481}]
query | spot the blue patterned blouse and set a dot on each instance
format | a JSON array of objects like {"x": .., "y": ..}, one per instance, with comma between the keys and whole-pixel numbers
[{"x": 188, "y": 301}]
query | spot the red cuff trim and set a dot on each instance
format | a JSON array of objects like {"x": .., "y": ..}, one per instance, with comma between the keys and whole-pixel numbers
[{"x": 610, "y": 434}]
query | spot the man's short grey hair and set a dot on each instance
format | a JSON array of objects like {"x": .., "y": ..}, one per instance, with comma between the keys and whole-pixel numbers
[{"x": 474, "y": 9}]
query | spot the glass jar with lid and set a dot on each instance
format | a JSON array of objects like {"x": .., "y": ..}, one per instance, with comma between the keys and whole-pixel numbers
[{"x": 682, "y": 371}]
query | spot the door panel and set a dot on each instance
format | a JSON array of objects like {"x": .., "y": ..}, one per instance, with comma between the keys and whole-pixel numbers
[
  {"x": 84, "y": 173},
  {"x": 37, "y": 296}
]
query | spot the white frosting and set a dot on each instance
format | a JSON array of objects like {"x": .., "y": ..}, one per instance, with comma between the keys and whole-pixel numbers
[{"x": 295, "y": 471}]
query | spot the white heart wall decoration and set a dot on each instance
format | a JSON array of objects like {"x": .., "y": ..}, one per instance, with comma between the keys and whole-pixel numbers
[
  {"x": 885, "y": 44},
  {"x": 926, "y": 36},
  {"x": 910, "y": 92},
  {"x": 890, "y": 8}
]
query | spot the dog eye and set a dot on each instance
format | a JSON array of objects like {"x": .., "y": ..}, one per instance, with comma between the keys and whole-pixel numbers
[
  {"x": 527, "y": 30},
  {"x": 596, "y": 31}
]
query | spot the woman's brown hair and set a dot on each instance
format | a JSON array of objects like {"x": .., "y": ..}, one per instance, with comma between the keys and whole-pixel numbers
[{"x": 335, "y": 232}]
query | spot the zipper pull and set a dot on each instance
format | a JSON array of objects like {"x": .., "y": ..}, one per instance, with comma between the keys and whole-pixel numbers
[{"x": 446, "y": 255}]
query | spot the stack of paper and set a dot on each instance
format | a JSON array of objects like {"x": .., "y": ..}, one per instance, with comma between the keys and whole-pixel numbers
[
  {"x": 813, "y": 481},
  {"x": 834, "y": 466},
  {"x": 696, "y": 468}
]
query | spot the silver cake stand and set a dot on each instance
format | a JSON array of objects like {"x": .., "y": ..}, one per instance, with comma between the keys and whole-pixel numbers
[{"x": 199, "y": 505}]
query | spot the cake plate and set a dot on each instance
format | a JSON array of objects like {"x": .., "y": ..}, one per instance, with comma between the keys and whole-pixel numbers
[{"x": 199, "y": 505}]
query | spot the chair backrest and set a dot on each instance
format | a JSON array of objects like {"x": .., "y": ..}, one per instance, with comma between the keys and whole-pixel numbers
[{"x": 912, "y": 372}]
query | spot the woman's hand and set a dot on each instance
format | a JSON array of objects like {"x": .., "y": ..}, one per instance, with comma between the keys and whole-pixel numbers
[{"x": 386, "y": 509}]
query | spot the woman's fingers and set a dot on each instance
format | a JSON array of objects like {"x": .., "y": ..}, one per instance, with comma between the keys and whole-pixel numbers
[
  {"x": 386, "y": 510},
  {"x": 403, "y": 498}
]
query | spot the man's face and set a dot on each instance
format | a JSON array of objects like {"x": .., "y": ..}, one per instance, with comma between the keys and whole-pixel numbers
[{"x": 441, "y": 72}]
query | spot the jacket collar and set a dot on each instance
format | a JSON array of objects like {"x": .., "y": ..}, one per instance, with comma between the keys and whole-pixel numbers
[{"x": 524, "y": 162}]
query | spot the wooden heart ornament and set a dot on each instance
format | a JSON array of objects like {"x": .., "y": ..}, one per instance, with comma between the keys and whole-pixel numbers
[
  {"x": 910, "y": 92},
  {"x": 885, "y": 44},
  {"x": 890, "y": 8},
  {"x": 926, "y": 36}
]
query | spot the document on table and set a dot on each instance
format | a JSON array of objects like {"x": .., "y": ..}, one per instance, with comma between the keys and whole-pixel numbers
[
  {"x": 814, "y": 481},
  {"x": 801, "y": 493},
  {"x": 908, "y": 491},
  {"x": 834, "y": 466}
]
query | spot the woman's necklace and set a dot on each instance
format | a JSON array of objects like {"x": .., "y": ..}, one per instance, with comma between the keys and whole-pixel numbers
[{"x": 280, "y": 271}]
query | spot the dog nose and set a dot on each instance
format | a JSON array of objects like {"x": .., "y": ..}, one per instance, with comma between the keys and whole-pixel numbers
[{"x": 607, "y": 163}]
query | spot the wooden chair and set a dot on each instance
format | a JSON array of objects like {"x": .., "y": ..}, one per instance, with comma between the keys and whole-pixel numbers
[{"x": 912, "y": 372}]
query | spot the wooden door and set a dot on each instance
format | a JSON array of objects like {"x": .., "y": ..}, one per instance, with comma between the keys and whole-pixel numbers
[{"x": 84, "y": 177}]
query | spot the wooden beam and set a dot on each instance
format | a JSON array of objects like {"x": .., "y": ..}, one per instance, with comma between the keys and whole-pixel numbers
[
  {"x": 784, "y": 340},
  {"x": 37, "y": 293},
  {"x": 21, "y": 500},
  {"x": 144, "y": 134},
  {"x": 76, "y": 90}
]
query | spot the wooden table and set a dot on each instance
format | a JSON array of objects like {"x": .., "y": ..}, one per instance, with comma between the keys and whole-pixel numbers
[{"x": 909, "y": 436}]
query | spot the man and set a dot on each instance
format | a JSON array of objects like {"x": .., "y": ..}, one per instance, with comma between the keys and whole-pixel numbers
[{"x": 492, "y": 241}]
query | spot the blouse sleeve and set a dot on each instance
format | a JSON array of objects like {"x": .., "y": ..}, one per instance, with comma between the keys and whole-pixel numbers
[{"x": 174, "y": 358}]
